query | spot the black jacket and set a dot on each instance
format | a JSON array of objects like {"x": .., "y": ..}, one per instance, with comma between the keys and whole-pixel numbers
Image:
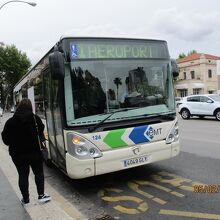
[{"x": 20, "y": 133}]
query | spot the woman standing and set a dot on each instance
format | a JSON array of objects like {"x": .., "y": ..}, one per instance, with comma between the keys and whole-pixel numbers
[{"x": 20, "y": 134}]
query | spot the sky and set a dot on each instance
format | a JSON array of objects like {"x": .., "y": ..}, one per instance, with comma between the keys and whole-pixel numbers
[{"x": 185, "y": 24}]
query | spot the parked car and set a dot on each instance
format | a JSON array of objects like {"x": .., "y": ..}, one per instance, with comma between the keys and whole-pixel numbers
[
  {"x": 178, "y": 101},
  {"x": 200, "y": 105},
  {"x": 12, "y": 109},
  {"x": 1, "y": 112}
]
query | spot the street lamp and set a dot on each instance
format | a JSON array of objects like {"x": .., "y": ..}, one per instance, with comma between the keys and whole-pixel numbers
[{"x": 30, "y": 3}]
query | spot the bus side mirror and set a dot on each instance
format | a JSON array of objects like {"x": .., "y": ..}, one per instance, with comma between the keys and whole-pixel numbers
[
  {"x": 174, "y": 68},
  {"x": 57, "y": 67}
]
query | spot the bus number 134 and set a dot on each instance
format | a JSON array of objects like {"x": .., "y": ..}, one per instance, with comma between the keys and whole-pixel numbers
[{"x": 96, "y": 137}]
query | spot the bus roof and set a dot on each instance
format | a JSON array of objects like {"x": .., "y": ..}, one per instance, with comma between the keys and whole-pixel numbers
[{"x": 110, "y": 38}]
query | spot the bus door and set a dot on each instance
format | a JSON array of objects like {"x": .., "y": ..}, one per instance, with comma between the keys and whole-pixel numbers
[{"x": 54, "y": 119}]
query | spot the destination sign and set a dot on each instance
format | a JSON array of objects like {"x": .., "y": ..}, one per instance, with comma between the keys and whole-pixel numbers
[{"x": 110, "y": 50}]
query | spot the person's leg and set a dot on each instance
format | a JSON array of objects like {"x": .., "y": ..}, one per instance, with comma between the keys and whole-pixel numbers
[
  {"x": 23, "y": 173},
  {"x": 36, "y": 163},
  {"x": 37, "y": 167}
]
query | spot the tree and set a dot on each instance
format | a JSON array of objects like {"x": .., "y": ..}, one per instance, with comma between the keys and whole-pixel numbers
[
  {"x": 117, "y": 82},
  {"x": 191, "y": 52},
  {"x": 13, "y": 65},
  {"x": 181, "y": 55}
]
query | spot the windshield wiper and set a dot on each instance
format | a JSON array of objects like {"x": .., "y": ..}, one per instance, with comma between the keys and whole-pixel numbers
[
  {"x": 93, "y": 128},
  {"x": 164, "y": 115}
]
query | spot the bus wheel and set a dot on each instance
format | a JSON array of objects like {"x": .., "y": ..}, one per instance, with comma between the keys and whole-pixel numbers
[
  {"x": 217, "y": 114},
  {"x": 49, "y": 163},
  {"x": 185, "y": 114}
]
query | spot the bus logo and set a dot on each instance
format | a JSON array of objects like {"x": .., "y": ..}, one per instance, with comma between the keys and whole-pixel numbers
[
  {"x": 136, "y": 150},
  {"x": 149, "y": 133},
  {"x": 73, "y": 51}
]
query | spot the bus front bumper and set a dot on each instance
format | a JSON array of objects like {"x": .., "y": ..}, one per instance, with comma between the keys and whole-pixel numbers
[{"x": 120, "y": 159}]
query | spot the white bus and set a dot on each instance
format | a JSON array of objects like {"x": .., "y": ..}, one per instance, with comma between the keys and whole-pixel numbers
[{"x": 108, "y": 103}]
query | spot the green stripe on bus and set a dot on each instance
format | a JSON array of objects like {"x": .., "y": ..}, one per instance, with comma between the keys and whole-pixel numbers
[{"x": 113, "y": 138}]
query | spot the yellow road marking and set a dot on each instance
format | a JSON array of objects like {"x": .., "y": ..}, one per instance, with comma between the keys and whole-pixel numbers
[
  {"x": 177, "y": 194},
  {"x": 175, "y": 181},
  {"x": 190, "y": 188},
  {"x": 160, "y": 201},
  {"x": 186, "y": 188},
  {"x": 162, "y": 177},
  {"x": 189, "y": 214},
  {"x": 143, "y": 207},
  {"x": 122, "y": 198},
  {"x": 114, "y": 190},
  {"x": 159, "y": 187},
  {"x": 126, "y": 210},
  {"x": 135, "y": 187}
]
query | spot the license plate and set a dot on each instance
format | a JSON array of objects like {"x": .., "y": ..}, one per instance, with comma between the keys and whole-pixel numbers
[{"x": 135, "y": 161}]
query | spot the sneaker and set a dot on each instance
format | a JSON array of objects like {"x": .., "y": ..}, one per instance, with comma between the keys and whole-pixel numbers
[
  {"x": 44, "y": 198},
  {"x": 24, "y": 201}
]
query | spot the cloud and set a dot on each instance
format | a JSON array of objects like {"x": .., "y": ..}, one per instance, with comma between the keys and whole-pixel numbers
[
  {"x": 100, "y": 30},
  {"x": 37, "y": 50},
  {"x": 185, "y": 25}
]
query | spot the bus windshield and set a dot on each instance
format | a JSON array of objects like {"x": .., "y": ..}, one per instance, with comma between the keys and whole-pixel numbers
[{"x": 99, "y": 87}]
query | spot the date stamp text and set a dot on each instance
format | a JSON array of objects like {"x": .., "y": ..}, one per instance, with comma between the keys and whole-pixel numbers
[{"x": 206, "y": 188}]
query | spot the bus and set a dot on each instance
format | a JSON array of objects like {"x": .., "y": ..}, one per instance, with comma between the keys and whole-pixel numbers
[{"x": 108, "y": 103}]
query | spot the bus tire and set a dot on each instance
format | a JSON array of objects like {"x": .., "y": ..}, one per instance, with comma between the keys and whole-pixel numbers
[{"x": 49, "y": 163}]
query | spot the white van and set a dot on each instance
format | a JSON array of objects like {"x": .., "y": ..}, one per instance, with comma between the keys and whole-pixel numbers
[
  {"x": 12, "y": 109},
  {"x": 1, "y": 112}
]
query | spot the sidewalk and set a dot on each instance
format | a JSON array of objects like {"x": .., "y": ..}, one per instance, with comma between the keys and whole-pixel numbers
[
  {"x": 9, "y": 206},
  {"x": 58, "y": 209}
]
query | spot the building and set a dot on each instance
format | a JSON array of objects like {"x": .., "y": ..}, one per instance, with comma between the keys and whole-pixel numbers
[
  {"x": 218, "y": 75},
  {"x": 198, "y": 75}
]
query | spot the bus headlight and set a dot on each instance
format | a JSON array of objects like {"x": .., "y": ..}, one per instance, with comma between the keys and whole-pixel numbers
[
  {"x": 81, "y": 148},
  {"x": 173, "y": 135}
]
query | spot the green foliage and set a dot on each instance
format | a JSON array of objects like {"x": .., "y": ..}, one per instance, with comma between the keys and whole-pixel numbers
[
  {"x": 181, "y": 55},
  {"x": 13, "y": 65},
  {"x": 191, "y": 52}
]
